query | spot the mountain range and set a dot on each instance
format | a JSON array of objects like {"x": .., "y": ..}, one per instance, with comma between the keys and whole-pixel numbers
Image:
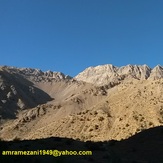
[
  {"x": 102, "y": 103},
  {"x": 99, "y": 95}
]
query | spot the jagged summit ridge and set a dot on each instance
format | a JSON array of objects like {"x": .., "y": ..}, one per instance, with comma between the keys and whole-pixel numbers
[
  {"x": 36, "y": 74},
  {"x": 98, "y": 75},
  {"x": 103, "y": 74}
]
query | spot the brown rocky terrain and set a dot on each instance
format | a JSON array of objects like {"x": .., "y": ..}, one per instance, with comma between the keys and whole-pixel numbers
[{"x": 100, "y": 104}]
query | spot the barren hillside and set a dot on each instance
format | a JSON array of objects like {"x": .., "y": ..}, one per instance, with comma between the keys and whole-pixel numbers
[{"x": 101, "y": 103}]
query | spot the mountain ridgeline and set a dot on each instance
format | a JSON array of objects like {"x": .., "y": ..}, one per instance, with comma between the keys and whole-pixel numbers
[{"x": 104, "y": 74}]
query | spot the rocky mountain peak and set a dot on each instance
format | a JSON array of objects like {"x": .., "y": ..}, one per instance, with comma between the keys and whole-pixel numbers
[
  {"x": 157, "y": 72},
  {"x": 104, "y": 74}
]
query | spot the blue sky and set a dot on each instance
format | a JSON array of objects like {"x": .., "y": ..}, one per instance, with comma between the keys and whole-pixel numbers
[{"x": 71, "y": 35}]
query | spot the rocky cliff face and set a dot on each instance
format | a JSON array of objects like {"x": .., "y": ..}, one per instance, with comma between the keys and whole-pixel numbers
[{"x": 104, "y": 74}]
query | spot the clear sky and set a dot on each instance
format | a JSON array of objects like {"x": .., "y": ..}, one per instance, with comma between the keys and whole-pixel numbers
[{"x": 71, "y": 35}]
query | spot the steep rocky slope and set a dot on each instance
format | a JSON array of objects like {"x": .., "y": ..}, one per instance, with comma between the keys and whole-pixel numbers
[{"x": 128, "y": 109}]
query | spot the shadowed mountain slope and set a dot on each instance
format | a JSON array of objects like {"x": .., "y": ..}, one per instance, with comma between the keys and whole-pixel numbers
[{"x": 18, "y": 93}]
